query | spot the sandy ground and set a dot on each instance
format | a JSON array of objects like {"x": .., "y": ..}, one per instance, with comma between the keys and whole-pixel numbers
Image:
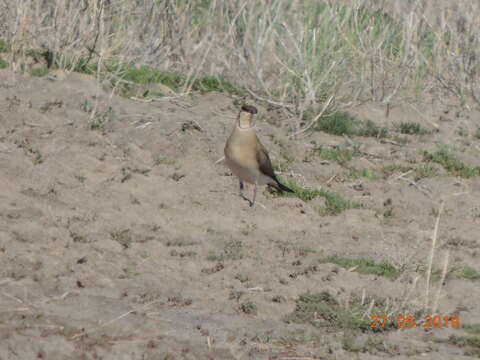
[{"x": 107, "y": 235}]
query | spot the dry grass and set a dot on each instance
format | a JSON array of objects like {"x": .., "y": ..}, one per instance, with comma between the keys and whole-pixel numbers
[
  {"x": 320, "y": 55},
  {"x": 431, "y": 301}
]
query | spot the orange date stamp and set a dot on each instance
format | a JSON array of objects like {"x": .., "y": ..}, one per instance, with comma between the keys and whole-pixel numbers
[{"x": 426, "y": 322}]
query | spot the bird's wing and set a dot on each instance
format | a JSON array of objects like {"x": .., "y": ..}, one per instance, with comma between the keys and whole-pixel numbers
[{"x": 264, "y": 162}]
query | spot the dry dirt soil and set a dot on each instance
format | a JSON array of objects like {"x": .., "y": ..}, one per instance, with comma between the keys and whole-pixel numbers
[{"x": 122, "y": 237}]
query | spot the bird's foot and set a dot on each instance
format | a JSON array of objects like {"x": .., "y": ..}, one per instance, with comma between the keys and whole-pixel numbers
[{"x": 250, "y": 202}]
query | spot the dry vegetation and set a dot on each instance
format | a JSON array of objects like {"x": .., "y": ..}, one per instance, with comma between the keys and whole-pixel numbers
[
  {"x": 306, "y": 62},
  {"x": 300, "y": 55}
]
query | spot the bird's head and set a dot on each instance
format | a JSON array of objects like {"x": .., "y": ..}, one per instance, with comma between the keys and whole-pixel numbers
[{"x": 245, "y": 118}]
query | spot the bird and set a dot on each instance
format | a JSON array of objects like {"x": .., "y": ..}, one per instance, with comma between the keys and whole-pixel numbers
[{"x": 246, "y": 156}]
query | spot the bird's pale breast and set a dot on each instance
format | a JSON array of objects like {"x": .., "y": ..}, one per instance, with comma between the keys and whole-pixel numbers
[{"x": 240, "y": 155}]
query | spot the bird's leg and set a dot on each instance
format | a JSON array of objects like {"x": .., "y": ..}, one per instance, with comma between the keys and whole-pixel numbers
[
  {"x": 241, "y": 193},
  {"x": 254, "y": 194}
]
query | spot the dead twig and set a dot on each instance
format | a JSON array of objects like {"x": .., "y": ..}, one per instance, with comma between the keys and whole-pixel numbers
[
  {"x": 219, "y": 160},
  {"x": 391, "y": 142},
  {"x": 331, "y": 179},
  {"x": 441, "y": 283},
  {"x": 402, "y": 175},
  {"x": 315, "y": 119},
  {"x": 149, "y": 100},
  {"x": 143, "y": 126},
  {"x": 411, "y": 182},
  {"x": 432, "y": 252},
  {"x": 87, "y": 332},
  {"x": 270, "y": 102}
]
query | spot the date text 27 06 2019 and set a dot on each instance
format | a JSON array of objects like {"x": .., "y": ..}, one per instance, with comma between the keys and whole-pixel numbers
[{"x": 428, "y": 321}]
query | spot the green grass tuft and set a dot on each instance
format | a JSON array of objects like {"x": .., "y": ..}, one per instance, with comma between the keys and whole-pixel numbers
[
  {"x": 233, "y": 250},
  {"x": 457, "y": 241},
  {"x": 470, "y": 273},
  {"x": 452, "y": 165},
  {"x": 339, "y": 123},
  {"x": 323, "y": 310},
  {"x": 473, "y": 341},
  {"x": 159, "y": 159},
  {"x": 391, "y": 169},
  {"x": 467, "y": 341},
  {"x": 248, "y": 307},
  {"x": 334, "y": 203},
  {"x": 337, "y": 154},
  {"x": 128, "y": 75},
  {"x": 101, "y": 120},
  {"x": 426, "y": 171},
  {"x": 472, "y": 328},
  {"x": 3, "y": 64},
  {"x": 370, "y": 129},
  {"x": 39, "y": 72},
  {"x": 216, "y": 83},
  {"x": 146, "y": 75},
  {"x": 419, "y": 172},
  {"x": 411, "y": 128},
  {"x": 3, "y": 46},
  {"x": 364, "y": 266},
  {"x": 30, "y": 149},
  {"x": 361, "y": 174},
  {"x": 343, "y": 123}
]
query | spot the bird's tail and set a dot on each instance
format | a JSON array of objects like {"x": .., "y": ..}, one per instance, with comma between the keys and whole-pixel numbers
[{"x": 281, "y": 188}]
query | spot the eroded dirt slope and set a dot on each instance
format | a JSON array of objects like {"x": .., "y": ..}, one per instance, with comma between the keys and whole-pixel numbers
[{"x": 121, "y": 238}]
